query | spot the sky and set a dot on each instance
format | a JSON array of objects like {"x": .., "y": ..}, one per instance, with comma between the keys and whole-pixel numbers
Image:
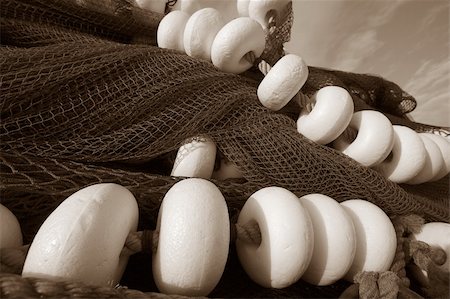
[{"x": 404, "y": 41}]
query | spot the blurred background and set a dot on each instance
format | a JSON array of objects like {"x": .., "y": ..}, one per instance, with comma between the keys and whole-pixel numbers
[{"x": 404, "y": 41}]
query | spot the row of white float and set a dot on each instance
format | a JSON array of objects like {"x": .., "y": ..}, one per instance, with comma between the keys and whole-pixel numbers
[
  {"x": 313, "y": 238},
  {"x": 397, "y": 152},
  {"x": 209, "y": 34}
]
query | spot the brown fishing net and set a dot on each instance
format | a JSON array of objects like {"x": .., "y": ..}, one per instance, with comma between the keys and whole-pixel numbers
[{"x": 87, "y": 97}]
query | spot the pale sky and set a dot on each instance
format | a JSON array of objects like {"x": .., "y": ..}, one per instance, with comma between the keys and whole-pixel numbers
[{"x": 405, "y": 41}]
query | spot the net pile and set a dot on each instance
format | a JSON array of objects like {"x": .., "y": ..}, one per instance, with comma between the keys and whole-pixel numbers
[{"x": 87, "y": 97}]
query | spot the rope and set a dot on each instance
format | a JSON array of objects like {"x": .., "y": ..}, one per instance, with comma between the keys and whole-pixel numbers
[
  {"x": 15, "y": 286},
  {"x": 249, "y": 233},
  {"x": 13, "y": 259}
]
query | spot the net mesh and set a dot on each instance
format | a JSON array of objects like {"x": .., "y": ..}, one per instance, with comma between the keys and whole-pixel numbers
[{"x": 87, "y": 97}]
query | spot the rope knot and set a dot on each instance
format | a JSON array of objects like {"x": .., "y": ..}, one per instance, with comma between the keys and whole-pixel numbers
[{"x": 377, "y": 285}]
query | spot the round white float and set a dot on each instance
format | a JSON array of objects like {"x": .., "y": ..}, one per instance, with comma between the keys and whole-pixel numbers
[
  {"x": 334, "y": 240},
  {"x": 195, "y": 158},
  {"x": 332, "y": 112},
  {"x": 434, "y": 167},
  {"x": 444, "y": 146},
  {"x": 83, "y": 237},
  {"x": 286, "y": 238},
  {"x": 237, "y": 38},
  {"x": 282, "y": 82},
  {"x": 170, "y": 33},
  {"x": 194, "y": 237},
  {"x": 259, "y": 10},
  {"x": 228, "y": 8},
  {"x": 407, "y": 157},
  {"x": 374, "y": 141},
  {"x": 200, "y": 31},
  {"x": 376, "y": 240},
  {"x": 10, "y": 232}
]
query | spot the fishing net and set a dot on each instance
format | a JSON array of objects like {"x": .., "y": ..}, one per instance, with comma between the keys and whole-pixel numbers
[{"x": 87, "y": 97}]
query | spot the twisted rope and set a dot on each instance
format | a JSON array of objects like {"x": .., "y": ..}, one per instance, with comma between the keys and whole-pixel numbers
[
  {"x": 15, "y": 286},
  {"x": 13, "y": 259}
]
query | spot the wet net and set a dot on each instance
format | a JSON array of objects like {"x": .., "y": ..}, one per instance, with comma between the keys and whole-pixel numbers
[{"x": 87, "y": 97}]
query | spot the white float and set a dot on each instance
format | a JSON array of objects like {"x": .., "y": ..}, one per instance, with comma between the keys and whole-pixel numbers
[
  {"x": 444, "y": 146},
  {"x": 374, "y": 141},
  {"x": 10, "y": 232},
  {"x": 194, "y": 236},
  {"x": 259, "y": 10},
  {"x": 228, "y": 8},
  {"x": 334, "y": 240},
  {"x": 282, "y": 82},
  {"x": 200, "y": 31},
  {"x": 170, "y": 33},
  {"x": 407, "y": 157},
  {"x": 332, "y": 113},
  {"x": 195, "y": 158},
  {"x": 434, "y": 163},
  {"x": 376, "y": 240},
  {"x": 237, "y": 38},
  {"x": 286, "y": 238},
  {"x": 83, "y": 237}
]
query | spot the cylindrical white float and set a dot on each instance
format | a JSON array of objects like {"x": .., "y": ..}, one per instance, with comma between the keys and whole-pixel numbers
[
  {"x": 443, "y": 144},
  {"x": 194, "y": 237},
  {"x": 286, "y": 238},
  {"x": 434, "y": 163},
  {"x": 376, "y": 240},
  {"x": 282, "y": 82},
  {"x": 260, "y": 10},
  {"x": 10, "y": 232},
  {"x": 195, "y": 158},
  {"x": 83, "y": 237},
  {"x": 330, "y": 116},
  {"x": 237, "y": 38},
  {"x": 374, "y": 141},
  {"x": 334, "y": 240},
  {"x": 407, "y": 157},
  {"x": 170, "y": 33},
  {"x": 200, "y": 31}
]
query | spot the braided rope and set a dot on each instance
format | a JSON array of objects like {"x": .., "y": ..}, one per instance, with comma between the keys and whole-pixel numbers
[
  {"x": 146, "y": 241},
  {"x": 15, "y": 286}
]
